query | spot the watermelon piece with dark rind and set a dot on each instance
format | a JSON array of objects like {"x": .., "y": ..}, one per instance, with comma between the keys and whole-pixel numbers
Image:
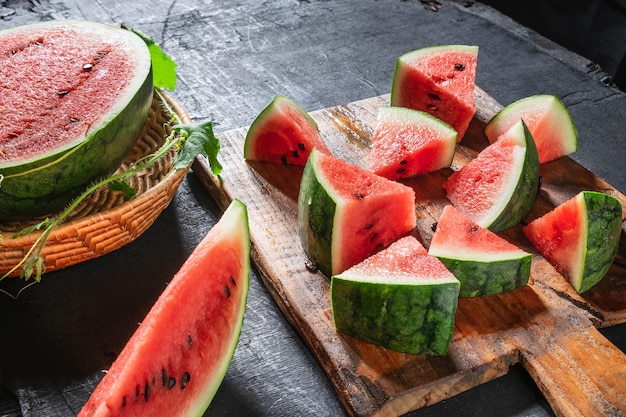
[
  {"x": 399, "y": 298},
  {"x": 283, "y": 133},
  {"x": 580, "y": 237},
  {"x": 103, "y": 110},
  {"x": 439, "y": 80},
  {"x": 346, "y": 212},
  {"x": 482, "y": 261},
  {"x": 408, "y": 142},
  {"x": 547, "y": 119},
  {"x": 498, "y": 188},
  {"x": 177, "y": 358}
]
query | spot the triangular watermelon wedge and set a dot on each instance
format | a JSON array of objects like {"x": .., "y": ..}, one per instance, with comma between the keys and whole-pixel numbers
[
  {"x": 439, "y": 80},
  {"x": 580, "y": 237},
  {"x": 400, "y": 298},
  {"x": 482, "y": 261}
]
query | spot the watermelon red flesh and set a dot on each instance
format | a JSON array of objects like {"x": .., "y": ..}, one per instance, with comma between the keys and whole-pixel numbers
[
  {"x": 400, "y": 298},
  {"x": 175, "y": 361},
  {"x": 409, "y": 142},
  {"x": 346, "y": 212},
  {"x": 439, "y": 80},
  {"x": 498, "y": 187},
  {"x": 283, "y": 133},
  {"x": 547, "y": 119},
  {"x": 482, "y": 261},
  {"x": 580, "y": 237},
  {"x": 75, "y": 98}
]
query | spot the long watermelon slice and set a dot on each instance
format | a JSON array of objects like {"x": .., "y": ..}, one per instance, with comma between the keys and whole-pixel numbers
[
  {"x": 439, "y": 80},
  {"x": 409, "y": 142},
  {"x": 547, "y": 119},
  {"x": 580, "y": 237},
  {"x": 75, "y": 97},
  {"x": 400, "y": 298},
  {"x": 482, "y": 261},
  {"x": 497, "y": 189},
  {"x": 283, "y": 133},
  {"x": 176, "y": 360},
  {"x": 345, "y": 212}
]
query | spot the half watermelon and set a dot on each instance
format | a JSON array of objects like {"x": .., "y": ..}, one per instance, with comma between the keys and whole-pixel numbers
[
  {"x": 400, "y": 298},
  {"x": 346, "y": 212},
  {"x": 580, "y": 237},
  {"x": 482, "y": 261},
  {"x": 283, "y": 133},
  {"x": 75, "y": 97},
  {"x": 408, "y": 142},
  {"x": 497, "y": 189},
  {"x": 176, "y": 360},
  {"x": 547, "y": 119},
  {"x": 439, "y": 80}
]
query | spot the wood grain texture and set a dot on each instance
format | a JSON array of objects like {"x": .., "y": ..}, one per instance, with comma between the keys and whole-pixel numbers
[{"x": 545, "y": 326}]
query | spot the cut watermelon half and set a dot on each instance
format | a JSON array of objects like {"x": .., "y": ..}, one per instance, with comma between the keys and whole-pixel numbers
[
  {"x": 409, "y": 142},
  {"x": 283, "y": 133},
  {"x": 439, "y": 80},
  {"x": 497, "y": 189},
  {"x": 75, "y": 97},
  {"x": 580, "y": 237},
  {"x": 176, "y": 360},
  {"x": 482, "y": 261},
  {"x": 346, "y": 212},
  {"x": 400, "y": 298},
  {"x": 547, "y": 119}
]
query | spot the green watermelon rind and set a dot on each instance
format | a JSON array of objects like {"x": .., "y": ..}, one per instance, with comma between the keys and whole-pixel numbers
[
  {"x": 479, "y": 278},
  {"x": 560, "y": 119},
  {"x": 415, "y": 319},
  {"x": 273, "y": 109},
  {"x": 46, "y": 183}
]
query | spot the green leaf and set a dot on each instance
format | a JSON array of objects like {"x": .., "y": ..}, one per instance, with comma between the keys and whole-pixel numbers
[
  {"x": 163, "y": 67},
  {"x": 123, "y": 186},
  {"x": 200, "y": 140}
]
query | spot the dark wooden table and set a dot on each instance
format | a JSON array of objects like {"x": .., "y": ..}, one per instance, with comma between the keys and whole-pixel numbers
[{"x": 233, "y": 57}]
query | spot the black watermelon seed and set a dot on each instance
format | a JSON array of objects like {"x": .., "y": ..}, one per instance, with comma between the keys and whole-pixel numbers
[
  {"x": 171, "y": 383},
  {"x": 473, "y": 229},
  {"x": 373, "y": 237},
  {"x": 403, "y": 162},
  {"x": 227, "y": 291},
  {"x": 63, "y": 93},
  {"x": 163, "y": 377},
  {"x": 434, "y": 96},
  {"x": 459, "y": 67},
  {"x": 311, "y": 266},
  {"x": 146, "y": 393},
  {"x": 433, "y": 227},
  {"x": 232, "y": 281},
  {"x": 301, "y": 146},
  {"x": 72, "y": 120},
  {"x": 123, "y": 401},
  {"x": 369, "y": 226},
  {"x": 359, "y": 196},
  {"x": 296, "y": 154},
  {"x": 190, "y": 340},
  {"x": 184, "y": 380},
  {"x": 137, "y": 390},
  {"x": 283, "y": 159},
  {"x": 400, "y": 170}
]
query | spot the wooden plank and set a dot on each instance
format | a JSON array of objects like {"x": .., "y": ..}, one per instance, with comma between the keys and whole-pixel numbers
[{"x": 545, "y": 325}]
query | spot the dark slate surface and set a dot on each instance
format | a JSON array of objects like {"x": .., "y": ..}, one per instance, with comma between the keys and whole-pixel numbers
[{"x": 233, "y": 58}]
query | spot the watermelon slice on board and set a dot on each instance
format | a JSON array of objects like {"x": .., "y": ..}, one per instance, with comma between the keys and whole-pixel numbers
[
  {"x": 408, "y": 142},
  {"x": 548, "y": 120},
  {"x": 90, "y": 85},
  {"x": 346, "y": 212},
  {"x": 580, "y": 237},
  {"x": 399, "y": 298},
  {"x": 283, "y": 133},
  {"x": 497, "y": 189},
  {"x": 482, "y": 261},
  {"x": 177, "y": 358},
  {"x": 439, "y": 80}
]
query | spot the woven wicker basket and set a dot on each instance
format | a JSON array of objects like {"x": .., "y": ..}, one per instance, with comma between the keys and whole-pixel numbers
[{"x": 105, "y": 221}]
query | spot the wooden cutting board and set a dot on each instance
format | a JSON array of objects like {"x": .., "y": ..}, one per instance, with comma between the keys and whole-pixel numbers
[{"x": 545, "y": 326}]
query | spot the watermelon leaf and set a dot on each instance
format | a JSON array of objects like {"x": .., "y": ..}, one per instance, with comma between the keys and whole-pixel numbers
[
  {"x": 200, "y": 140},
  {"x": 123, "y": 186},
  {"x": 163, "y": 66}
]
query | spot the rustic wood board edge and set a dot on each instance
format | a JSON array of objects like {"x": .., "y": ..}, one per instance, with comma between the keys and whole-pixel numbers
[{"x": 368, "y": 390}]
